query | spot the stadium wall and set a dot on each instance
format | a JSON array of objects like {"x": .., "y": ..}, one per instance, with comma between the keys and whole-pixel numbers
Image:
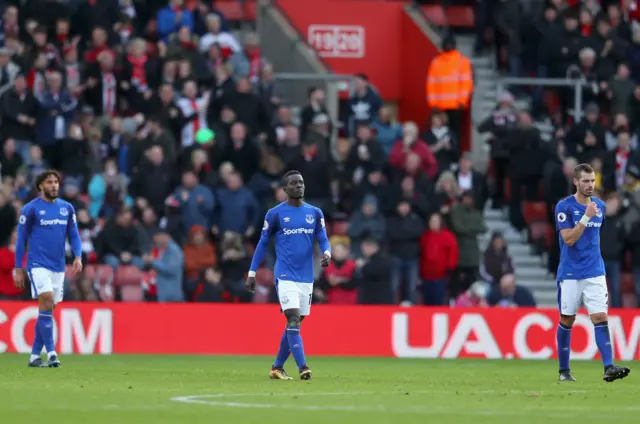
[{"x": 148, "y": 328}]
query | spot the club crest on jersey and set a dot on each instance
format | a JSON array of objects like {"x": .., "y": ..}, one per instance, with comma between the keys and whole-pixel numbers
[
  {"x": 64, "y": 212},
  {"x": 309, "y": 219}
]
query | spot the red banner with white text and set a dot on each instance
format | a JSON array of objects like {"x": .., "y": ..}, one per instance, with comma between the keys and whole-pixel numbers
[{"x": 223, "y": 329}]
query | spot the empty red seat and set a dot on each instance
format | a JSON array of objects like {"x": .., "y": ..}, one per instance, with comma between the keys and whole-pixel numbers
[
  {"x": 128, "y": 275},
  {"x": 106, "y": 293},
  {"x": 541, "y": 231},
  {"x": 132, "y": 293},
  {"x": 534, "y": 212},
  {"x": 340, "y": 227}
]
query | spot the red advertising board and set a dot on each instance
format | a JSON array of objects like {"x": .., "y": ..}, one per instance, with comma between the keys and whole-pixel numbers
[{"x": 109, "y": 328}]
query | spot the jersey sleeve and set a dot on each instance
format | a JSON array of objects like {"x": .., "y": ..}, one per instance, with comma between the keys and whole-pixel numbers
[
  {"x": 72, "y": 232},
  {"x": 25, "y": 224},
  {"x": 563, "y": 216},
  {"x": 321, "y": 232},
  {"x": 269, "y": 228}
]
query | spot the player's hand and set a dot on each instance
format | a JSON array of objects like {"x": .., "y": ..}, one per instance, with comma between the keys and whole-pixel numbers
[
  {"x": 326, "y": 260},
  {"x": 18, "y": 278},
  {"x": 77, "y": 265},
  {"x": 251, "y": 284},
  {"x": 592, "y": 209}
]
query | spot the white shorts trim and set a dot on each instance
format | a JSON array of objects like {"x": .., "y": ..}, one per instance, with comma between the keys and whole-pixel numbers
[
  {"x": 592, "y": 292},
  {"x": 294, "y": 295},
  {"x": 46, "y": 281}
]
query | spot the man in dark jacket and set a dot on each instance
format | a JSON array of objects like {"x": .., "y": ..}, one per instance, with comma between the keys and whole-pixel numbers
[
  {"x": 152, "y": 182},
  {"x": 404, "y": 231},
  {"x": 120, "y": 242},
  {"x": 373, "y": 275},
  {"x": 249, "y": 108},
  {"x": 19, "y": 116},
  {"x": 508, "y": 294},
  {"x": 242, "y": 152}
]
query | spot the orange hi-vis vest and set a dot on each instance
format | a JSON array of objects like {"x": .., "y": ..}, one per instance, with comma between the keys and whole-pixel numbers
[{"x": 449, "y": 81}]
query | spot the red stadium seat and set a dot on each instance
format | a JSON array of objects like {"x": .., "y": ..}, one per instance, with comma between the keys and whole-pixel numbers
[
  {"x": 104, "y": 273},
  {"x": 128, "y": 275},
  {"x": 340, "y": 227},
  {"x": 534, "y": 212},
  {"x": 541, "y": 231},
  {"x": 132, "y": 293},
  {"x": 105, "y": 294},
  {"x": 629, "y": 300}
]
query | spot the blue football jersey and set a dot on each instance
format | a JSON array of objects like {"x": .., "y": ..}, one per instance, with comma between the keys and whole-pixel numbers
[
  {"x": 583, "y": 259},
  {"x": 295, "y": 230},
  {"x": 44, "y": 227}
]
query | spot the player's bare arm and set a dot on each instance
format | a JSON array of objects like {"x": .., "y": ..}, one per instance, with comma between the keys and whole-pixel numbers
[
  {"x": 18, "y": 278},
  {"x": 572, "y": 235}
]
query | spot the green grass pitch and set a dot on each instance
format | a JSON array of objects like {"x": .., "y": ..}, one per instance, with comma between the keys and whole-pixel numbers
[{"x": 236, "y": 390}]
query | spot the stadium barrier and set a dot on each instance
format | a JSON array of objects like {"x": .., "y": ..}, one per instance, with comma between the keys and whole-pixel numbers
[{"x": 236, "y": 329}]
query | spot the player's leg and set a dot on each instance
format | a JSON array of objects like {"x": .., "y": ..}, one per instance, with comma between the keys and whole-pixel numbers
[
  {"x": 42, "y": 282},
  {"x": 288, "y": 297},
  {"x": 596, "y": 301},
  {"x": 306, "y": 296},
  {"x": 569, "y": 295},
  {"x": 57, "y": 282},
  {"x": 35, "y": 361}
]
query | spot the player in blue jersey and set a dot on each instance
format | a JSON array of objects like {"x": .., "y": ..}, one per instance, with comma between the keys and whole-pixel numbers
[
  {"x": 44, "y": 225},
  {"x": 295, "y": 225},
  {"x": 581, "y": 274}
]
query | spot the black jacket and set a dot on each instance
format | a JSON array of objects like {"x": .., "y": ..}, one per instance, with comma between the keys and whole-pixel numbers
[
  {"x": 11, "y": 106},
  {"x": 404, "y": 233},
  {"x": 374, "y": 281}
]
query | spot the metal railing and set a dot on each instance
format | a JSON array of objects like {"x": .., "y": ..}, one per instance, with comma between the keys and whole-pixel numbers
[{"x": 577, "y": 84}]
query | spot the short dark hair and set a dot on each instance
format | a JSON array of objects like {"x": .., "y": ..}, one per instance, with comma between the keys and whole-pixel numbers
[
  {"x": 46, "y": 174},
  {"x": 583, "y": 167},
  {"x": 286, "y": 176}
]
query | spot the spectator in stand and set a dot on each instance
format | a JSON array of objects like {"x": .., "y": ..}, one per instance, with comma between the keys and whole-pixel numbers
[
  {"x": 375, "y": 185},
  {"x": 88, "y": 230},
  {"x": 19, "y": 116},
  {"x": 620, "y": 124},
  {"x": 469, "y": 179},
  {"x": 447, "y": 192},
  {"x": 210, "y": 287},
  {"x": 620, "y": 90},
  {"x": 450, "y": 84},
  {"x": 410, "y": 143},
  {"x": 317, "y": 106},
  {"x": 366, "y": 154},
  {"x": 242, "y": 151},
  {"x": 267, "y": 89},
  {"x": 421, "y": 201},
  {"x": 363, "y": 104},
  {"x": 507, "y": 294},
  {"x": 168, "y": 267},
  {"x": 172, "y": 18},
  {"x": 247, "y": 63},
  {"x": 199, "y": 255},
  {"x": 387, "y": 129},
  {"x": 337, "y": 284},
  {"x": 438, "y": 260},
  {"x": 467, "y": 224},
  {"x": 497, "y": 261},
  {"x": 234, "y": 262},
  {"x": 373, "y": 275},
  {"x": 10, "y": 160},
  {"x": 403, "y": 232},
  {"x": 215, "y": 35},
  {"x": 108, "y": 191},
  {"x": 34, "y": 165},
  {"x": 613, "y": 236},
  {"x": 237, "y": 209},
  {"x": 617, "y": 162},
  {"x": 195, "y": 201},
  {"x": 366, "y": 223},
  {"x": 317, "y": 168},
  {"x": 8, "y": 219},
  {"x": 500, "y": 124},
  {"x": 120, "y": 242},
  {"x": 56, "y": 108},
  {"x": 526, "y": 158},
  {"x": 443, "y": 145},
  {"x": 8, "y": 70},
  {"x": 8, "y": 290},
  {"x": 586, "y": 137},
  {"x": 151, "y": 183}
]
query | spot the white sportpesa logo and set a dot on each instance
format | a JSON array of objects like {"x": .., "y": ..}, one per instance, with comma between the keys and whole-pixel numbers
[
  {"x": 295, "y": 231},
  {"x": 46, "y": 222}
]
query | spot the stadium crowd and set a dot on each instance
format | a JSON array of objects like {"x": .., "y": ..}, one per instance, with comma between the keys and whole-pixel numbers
[{"x": 597, "y": 41}]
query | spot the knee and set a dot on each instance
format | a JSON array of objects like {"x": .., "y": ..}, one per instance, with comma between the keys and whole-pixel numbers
[
  {"x": 293, "y": 320},
  {"x": 46, "y": 301},
  {"x": 567, "y": 320},
  {"x": 599, "y": 318}
]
